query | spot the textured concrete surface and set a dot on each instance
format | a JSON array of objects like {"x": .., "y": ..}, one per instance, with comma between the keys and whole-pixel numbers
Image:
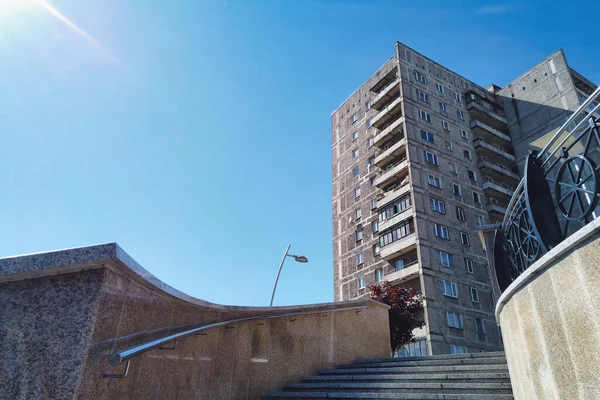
[
  {"x": 63, "y": 313},
  {"x": 550, "y": 322}
]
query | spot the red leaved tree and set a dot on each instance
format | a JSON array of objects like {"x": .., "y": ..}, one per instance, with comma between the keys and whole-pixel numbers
[{"x": 405, "y": 312}]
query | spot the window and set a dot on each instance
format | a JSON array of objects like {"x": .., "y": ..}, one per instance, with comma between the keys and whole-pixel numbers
[
  {"x": 457, "y": 97},
  {"x": 448, "y": 145},
  {"x": 376, "y": 249},
  {"x": 472, "y": 175},
  {"x": 354, "y": 117},
  {"x": 423, "y": 96},
  {"x": 437, "y": 205},
  {"x": 399, "y": 264},
  {"x": 445, "y": 125},
  {"x": 452, "y": 167},
  {"x": 456, "y": 189},
  {"x": 355, "y": 136},
  {"x": 374, "y": 226},
  {"x": 373, "y": 203},
  {"x": 372, "y": 181},
  {"x": 443, "y": 107},
  {"x": 460, "y": 115},
  {"x": 412, "y": 349},
  {"x": 434, "y": 181},
  {"x": 439, "y": 88},
  {"x": 454, "y": 320},
  {"x": 420, "y": 78},
  {"x": 431, "y": 158},
  {"x": 457, "y": 349},
  {"x": 359, "y": 233},
  {"x": 354, "y": 153},
  {"x": 480, "y": 220},
  {"x": 441, "y": 231},
  {"x": 360, "y": 258},
  {"x": 474, "y": 295},
  {"x": 467, "y": 154},
  {"x": 464, "y": 239},
  {"x": 427, "y": 136},
  {"x": 394, "y": 208},
  {"x": 356, "y": 192},
  {"x": 378, "y": 274},
  {"x": 361, "y": 282},
  {"x": 369, "y": 123},
  {"x": 464, "y": 134},
  {"x": 397, "y": 232},
  {"x": 470, "y": 266},
  {"x": 460, "y": 214},
  {"x": 476, "y": 197},
  {"x": 425, "y": 116},
  {"x": 357, "y": 213},
  {"x": 370, "y": 161},
  {"x": 449, "y": 289},
  {"x": 370, "y": 142},
  {"x": 445, "y": 259},
  {"x": 367, "y": 105},
  {"x": 356, "y": 171},
  {"x": 480, "y": 326}
]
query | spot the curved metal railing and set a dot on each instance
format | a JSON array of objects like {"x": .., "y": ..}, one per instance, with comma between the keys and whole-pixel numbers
[
  {"x": 557, "y": 196},
  {"x": 126, "y": 355}
]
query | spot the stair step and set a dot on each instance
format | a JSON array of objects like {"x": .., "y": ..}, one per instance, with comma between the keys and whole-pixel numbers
[
  {"x": 437, "y": 357},
  {"x": 398, "y": 363},
  {"x": 420, "y": 369},
  {"x": 396, "y": 396},
  {"x": 380, "y": 387},
  {"x": 449, "y": 377}
]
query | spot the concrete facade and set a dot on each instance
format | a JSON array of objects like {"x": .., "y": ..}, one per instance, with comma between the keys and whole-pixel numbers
[
  {"x": 549, "y": 317},
  {"x": 414, "y": 122},
  {"x": 63, "y": 313}
]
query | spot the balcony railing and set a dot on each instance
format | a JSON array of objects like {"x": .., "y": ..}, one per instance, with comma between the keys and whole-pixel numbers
[
  {"x": 497, "y": 170},
  {"x": 391, "y": 111},
  {"x": 388, "y": 132},
  {"x": 495, "y": 208},
  {"x": 399, "y": 247},
  {"x": 398, "y": 171},
  {"x": 396, "y": 149},
  {"x": 409, "y": 272},
  {"x": 487, "y": 132},
  {"x": 394, "y": 194},
  {"x": 498, "y": 188},
  {"x": 386, "y": 94},
  {"x": 557, "y": 196},
  {"x": 491, "y": 150}
]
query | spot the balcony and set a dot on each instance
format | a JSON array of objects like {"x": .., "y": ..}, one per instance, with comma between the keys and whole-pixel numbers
[
  {"x": 394, "y": 174},
  {"x": 495, "y": 190},
  {"x": 495, "y": 211},
  {"x": 388, "y": 114},
  {"x": 389, "y": 77},
  {"x": 491, "y": 152},
  {"x": 489, "y": 133},
  {"x": 388, "y": 133},
  {"x": 397, "y": 149},
  {"x": 386, "y": 95},
  {"x": 399, "y": 247},
  {"x": 409, "y": 272},
  {"x": 498, "y": 172},
  {"x": 485, "y": 111},
  {"x": 393, "y": 194},
  {"x": 396, "y": 219}
]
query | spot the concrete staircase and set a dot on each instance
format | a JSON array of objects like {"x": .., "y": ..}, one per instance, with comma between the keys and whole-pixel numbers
[{"x": 449, "y": 377}]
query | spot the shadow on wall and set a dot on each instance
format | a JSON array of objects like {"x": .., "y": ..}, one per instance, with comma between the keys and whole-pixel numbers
[{"x": 63, "y": 313}]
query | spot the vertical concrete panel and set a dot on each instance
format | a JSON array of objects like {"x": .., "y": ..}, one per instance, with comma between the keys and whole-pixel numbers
[
  {"x": 277, "y": 366},
  {"x": 224, "y": 363},
  {"x": 242, "y": 360}
]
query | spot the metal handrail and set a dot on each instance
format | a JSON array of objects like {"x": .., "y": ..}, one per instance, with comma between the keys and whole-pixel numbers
[{"x": 119, "y": 357}]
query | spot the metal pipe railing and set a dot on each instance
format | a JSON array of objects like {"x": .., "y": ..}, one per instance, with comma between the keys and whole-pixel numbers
[{"x": 119, "y": 357}]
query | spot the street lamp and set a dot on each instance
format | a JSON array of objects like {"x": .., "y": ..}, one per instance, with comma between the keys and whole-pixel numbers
[{"x": 300, "y": 259}]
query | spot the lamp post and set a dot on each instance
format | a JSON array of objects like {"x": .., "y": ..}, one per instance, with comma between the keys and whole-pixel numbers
[{"x": 300, "y": 259}]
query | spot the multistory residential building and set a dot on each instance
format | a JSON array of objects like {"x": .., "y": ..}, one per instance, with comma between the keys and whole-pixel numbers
[{"x": 421, "y": 157}]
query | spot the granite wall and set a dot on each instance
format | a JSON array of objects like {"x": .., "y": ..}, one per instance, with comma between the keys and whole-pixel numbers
[
  {"x": 63, "y": 313},
  {"x": 550, "y": 320}
]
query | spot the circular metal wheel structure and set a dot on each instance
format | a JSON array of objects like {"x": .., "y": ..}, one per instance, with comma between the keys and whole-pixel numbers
[
  {"x": 528, "y": 241},
  {"x": 576, "y": 188}
]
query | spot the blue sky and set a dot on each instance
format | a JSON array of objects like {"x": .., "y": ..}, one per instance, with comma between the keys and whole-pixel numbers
[{"x": 196, "y": 134}]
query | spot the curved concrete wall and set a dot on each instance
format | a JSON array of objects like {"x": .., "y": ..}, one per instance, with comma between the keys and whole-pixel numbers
[
  {"x": 62, "y": 313},
  {"x": 550, "y": 320}
]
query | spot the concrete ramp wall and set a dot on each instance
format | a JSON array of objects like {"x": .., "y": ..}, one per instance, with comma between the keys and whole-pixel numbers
[{"x": 63, "y": 313}]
